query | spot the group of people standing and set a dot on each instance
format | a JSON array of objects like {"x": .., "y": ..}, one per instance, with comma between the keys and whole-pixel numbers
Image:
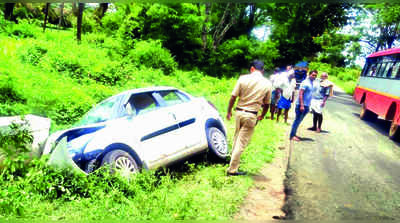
[
  {"x": 254, "y": 92},
  {"x": 312, "y": 94}
]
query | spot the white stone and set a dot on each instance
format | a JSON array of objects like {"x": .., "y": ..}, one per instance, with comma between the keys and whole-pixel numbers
[{"x": 39, "y": 126}]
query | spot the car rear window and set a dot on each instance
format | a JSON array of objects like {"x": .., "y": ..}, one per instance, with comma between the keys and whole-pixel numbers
[{"x": 173, "y": 97}]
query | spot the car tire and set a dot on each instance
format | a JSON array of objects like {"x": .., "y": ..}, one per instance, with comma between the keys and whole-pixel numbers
[
  {"x": 367, "y": 115},
  {"x": 121, "y": 161},
  {"x": 217, "y": 144},
  {"x": 394, "y": 132}
]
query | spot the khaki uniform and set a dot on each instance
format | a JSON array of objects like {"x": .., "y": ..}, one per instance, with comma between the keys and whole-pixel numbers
[{"x": 251, "y": 90}]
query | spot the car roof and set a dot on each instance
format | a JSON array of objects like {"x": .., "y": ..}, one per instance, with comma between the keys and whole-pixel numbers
[{"x": 147, "y": 89}]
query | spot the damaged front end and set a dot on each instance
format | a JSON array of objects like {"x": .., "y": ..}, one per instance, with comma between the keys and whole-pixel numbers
[
  {"x": 59, "y": 158},
  {"x": 66, "y": 149}
]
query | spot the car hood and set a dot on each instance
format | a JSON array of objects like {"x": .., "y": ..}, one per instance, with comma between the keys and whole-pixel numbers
[{"x": 69, "y": 134}]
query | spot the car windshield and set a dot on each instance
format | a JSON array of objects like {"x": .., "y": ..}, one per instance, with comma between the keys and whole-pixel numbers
[{"x": 100, "y": 113}]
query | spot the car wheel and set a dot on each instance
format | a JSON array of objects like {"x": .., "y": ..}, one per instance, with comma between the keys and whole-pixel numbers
[
  {"x": 394, "y": 132},
  {"x": 121, "y": 161},
  {"x": 367, "y": 115},
  {"x": 217, "y": 143}
]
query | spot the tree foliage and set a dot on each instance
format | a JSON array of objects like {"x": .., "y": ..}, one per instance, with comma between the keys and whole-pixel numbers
[
  {"x": 386, "y": 20},
  {"x": 296, "y": 24},
  {"x": 214, "y": 37}
]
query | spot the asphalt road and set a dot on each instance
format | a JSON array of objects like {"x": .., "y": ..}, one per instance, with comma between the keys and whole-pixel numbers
[{"x": 350, "y": 171}]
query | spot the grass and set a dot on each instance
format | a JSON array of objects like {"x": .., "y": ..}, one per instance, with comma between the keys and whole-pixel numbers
[{"x": 347, "y": 86}]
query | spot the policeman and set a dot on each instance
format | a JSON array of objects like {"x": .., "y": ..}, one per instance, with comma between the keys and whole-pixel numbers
[{"x": 254, "y": 92}]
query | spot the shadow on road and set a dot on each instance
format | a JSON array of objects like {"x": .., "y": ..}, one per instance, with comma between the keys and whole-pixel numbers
[
  {"x": 380, "y": 125},
  {"x": 344, "y": 100},
  {"x": 341, "y": 94},
  {"x": 306, "y": 139}
]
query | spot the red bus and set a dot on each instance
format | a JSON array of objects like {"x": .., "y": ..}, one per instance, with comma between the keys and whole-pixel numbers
[{"x": 378, "y": 89}]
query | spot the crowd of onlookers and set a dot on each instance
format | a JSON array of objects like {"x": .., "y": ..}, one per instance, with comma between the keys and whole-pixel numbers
[{"x": 292, "y": 86}]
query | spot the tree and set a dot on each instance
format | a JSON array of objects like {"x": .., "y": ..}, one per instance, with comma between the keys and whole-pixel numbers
[
  {"x": 46, "y": 13},
  {"x": 338, "y": 49},
  {"x": 296, "y": 24},
  {"x": 227, "y": 20},
  {"x": 8, "y": 12},
  {"x": 79, "y": 21},
  {"x": 60, "y": 22},
  {"x": 387, "y": 22},
  {"x": 101, "y": 11}
]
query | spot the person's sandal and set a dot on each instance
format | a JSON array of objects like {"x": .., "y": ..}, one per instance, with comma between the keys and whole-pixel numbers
[
  {"x": 295, "y": 138},
  {"x": 239, "y": 173}
]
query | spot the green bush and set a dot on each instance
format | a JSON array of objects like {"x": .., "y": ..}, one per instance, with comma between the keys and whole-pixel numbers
[
  {"x": 21, "y": 30},
  {"x": 236, "y": 54},
  {"x": 33, "y": 54},
  {"x": 15, "y": 145},
  {"x": 345, "y": 74},
  {"x": 345, "y": 78},
  {"x": 150, "y": 53},
  {"x": 8, "y": 93},
  {"x": 82, "y": 62}
]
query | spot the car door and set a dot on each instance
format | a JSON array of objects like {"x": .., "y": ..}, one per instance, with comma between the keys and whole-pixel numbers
[
  {"x": 185, "y": 111},
  {"x": 155, "y": 126}
]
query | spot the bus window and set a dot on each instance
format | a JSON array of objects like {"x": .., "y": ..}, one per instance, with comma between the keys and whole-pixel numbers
[
  {"x": 388, "y": 70},
  {"x": 396, "y": 71},
  {"x": 366, "y": 69},
  {"x": 378, "y": 67},
  {"x": 381, "y": 70},
  {"x": 371, "y": 71}
]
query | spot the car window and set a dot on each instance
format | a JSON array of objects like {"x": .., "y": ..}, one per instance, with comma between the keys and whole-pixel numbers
[
  {"x": 171, "y": 97},
  {"x": 142, "y": 103},
  {"x": 100, "y": 113}
]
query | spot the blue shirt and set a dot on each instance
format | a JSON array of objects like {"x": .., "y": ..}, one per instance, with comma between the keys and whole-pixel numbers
[{"x": 309, "y": 88}]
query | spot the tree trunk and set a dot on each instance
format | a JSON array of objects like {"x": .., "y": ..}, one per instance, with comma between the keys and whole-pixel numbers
[
  {"x": 60, "y": 22},
  {"x": 75, "y": 10},
  {"x": 220, "y": 31},
  {"x": 204, "y": 31},
  {"x": 46, "y": 13},
  {"x": 103, "y": 7},
  {"x": 8, "y": 12},
  {"x": 252, "y": 11},
  {"x": 79, "y": 25}
]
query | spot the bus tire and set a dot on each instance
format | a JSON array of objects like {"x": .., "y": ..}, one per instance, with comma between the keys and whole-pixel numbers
[
  {"x": 367, "y": 115},
  {"x": 394, "y": 132}
]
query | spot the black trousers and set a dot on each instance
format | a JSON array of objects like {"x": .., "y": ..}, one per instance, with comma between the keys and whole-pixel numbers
[{"x": 317, "y": 120}]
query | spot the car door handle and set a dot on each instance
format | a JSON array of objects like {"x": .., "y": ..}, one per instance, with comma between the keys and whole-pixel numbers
[{"x": 173, "y": 115}]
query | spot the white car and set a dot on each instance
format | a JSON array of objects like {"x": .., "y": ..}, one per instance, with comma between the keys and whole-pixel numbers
[{"x": 144, "y": 128}]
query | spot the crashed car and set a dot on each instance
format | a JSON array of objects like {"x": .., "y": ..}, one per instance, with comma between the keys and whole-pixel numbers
[{"x": 142, "y": 128}]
